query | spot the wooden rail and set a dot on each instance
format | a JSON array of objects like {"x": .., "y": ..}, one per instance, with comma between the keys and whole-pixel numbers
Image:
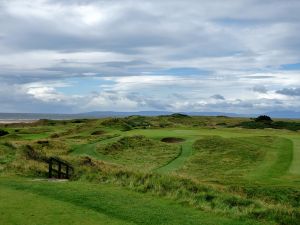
[{"x": 63, "y": 171}]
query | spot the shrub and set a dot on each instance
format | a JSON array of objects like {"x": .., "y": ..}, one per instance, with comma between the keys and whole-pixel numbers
[
  {"x": 263, "y": 119},
  {"x": 179, "y": 115},
  {"x": 3, "y": 133}
]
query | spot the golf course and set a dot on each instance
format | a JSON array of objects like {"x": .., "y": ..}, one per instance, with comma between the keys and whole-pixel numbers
[{"x": 173, "y": 169}]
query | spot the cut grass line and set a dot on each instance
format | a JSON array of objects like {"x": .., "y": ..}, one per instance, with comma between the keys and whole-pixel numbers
[
  {"x": 277, "y": 161},
  {"x": 177, "y": 163},
  {"x": 295, "y": 165},
  {"x": 159, "y": 169}
]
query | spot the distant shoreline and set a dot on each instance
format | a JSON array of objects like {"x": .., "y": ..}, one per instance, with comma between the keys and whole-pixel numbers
[{"x": 11, "y": 121}]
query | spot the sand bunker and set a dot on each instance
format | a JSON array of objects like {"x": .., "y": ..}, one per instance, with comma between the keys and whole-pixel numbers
[{"x": 172, "y": 140}]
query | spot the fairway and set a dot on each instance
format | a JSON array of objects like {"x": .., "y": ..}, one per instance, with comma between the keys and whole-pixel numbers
[{"x": 295, "y": 166}]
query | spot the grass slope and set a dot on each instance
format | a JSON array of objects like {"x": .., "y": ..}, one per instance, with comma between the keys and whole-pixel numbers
[
  {"x": 216, "y": 158},
  {"x": 81, "y": 203}
]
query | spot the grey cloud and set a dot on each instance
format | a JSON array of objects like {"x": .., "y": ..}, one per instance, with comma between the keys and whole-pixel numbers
[
  {"x": 260, "y": 89},
  {"x": 218, "y": 97},
  {"x": 289, "y": 91}
]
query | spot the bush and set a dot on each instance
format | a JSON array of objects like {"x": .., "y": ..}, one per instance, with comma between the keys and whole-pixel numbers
[
  {"x": 263, "y": 119},
  {"x": 3, "y": 133},
  {"x": 293, "y": 126},
  {"x": 180, "y": 115}
]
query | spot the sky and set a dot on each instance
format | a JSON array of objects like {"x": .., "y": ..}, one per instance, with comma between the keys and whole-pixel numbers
[{"x": 72, "y": 56}]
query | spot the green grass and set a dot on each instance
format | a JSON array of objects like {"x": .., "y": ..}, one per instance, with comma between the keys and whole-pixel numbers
[
  {"x": 81, "y": 203},
  {"x": 7, "y": 153},
  {"x": 219, "y": 173},
  {"x": 41, "y": 209},
  {"x": 178, "y": 162},
  {"x": 295, "y": 167},
  {"x": 260, "y": 158}
]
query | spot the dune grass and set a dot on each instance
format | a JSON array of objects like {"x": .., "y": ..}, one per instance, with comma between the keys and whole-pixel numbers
[{"x": 260, "y": 158}]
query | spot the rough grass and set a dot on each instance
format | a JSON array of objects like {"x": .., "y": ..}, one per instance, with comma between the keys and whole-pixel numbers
[
  {"x": 139, "y": 152},
  {"x": 242, "y": 203},
  {"x": 293, "y": 126},
  {"x": 228, "y": 159},
  {"x": 7, "y": 154}
]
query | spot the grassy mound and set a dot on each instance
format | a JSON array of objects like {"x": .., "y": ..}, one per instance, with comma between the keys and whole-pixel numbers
[
  {"x": 228, "y": 159},
  {"x": 117, "y": 123},
  {"x": 128, "y": 123},
  {"x": 139, "y": 151},
  {"x": 130, "y": 142}
]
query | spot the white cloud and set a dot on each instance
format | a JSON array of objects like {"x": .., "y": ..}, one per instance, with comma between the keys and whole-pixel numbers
[{"x": 130, "y": 44}]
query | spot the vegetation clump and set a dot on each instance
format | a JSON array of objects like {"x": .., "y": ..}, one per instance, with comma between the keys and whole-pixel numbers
[
  {"x": 130, "y": 142},
  {"x": 3, "y": 133},
  {"x": 117, "y": 123},
  {"x": 180, "y": 115},
  {"x": 30, "y": 153},
  {"x": 263, "y": 119}
]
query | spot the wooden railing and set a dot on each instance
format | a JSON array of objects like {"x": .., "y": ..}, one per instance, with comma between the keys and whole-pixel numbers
[{"x": 59, "y": 169}]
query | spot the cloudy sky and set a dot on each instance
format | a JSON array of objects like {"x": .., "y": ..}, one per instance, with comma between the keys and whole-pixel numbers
[{"x": 69, "y": 56}]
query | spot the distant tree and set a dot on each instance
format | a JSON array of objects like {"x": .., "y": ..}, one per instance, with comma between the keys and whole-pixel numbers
[
  {"x": 264, "y": 119},
  {"x": 3, "y": 132},
  {"x": 179, "y": 115}
]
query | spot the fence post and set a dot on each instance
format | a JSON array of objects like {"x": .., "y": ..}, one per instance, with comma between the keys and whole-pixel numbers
[
  {"x": 50, "y": 168},
  {"x": 59, "y": 170}
]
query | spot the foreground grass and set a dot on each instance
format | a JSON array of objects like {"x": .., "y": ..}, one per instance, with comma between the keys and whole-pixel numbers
[{"x": 82, "y": 203}]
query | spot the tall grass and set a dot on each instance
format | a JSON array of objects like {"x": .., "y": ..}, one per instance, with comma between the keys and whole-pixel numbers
[{"x": 209, "y": 198}]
